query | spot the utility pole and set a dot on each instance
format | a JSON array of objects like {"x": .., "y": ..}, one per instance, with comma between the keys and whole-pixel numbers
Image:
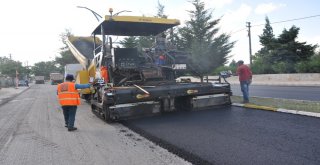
[{"x": 249, "y": 35}]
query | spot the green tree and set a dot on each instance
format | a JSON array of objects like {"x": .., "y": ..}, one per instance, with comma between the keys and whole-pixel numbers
[
  {"x": 143, "y": 41},
  {"x": 267, "y": 38},
  {"x": 292, "y": 50},
  {"x": 9, "y": 67},
  {"x": 199, "y": 36},
  {"x": 279, "y": 55},
  {"x": 147, "y": 41},
  {"x": 160, "y": 12},
  {"x": 310, "y": 66},
  {"x": 232, "y": 67},
  {"x": 130, "y": 42},
  {"x": 233, "y": 64},
  {"x": 44, "y": 68}
]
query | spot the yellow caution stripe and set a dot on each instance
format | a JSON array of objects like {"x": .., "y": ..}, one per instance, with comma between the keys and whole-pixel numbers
[
  {"x": 142, "y": 96},
  {"x": 248, "y": 105}
]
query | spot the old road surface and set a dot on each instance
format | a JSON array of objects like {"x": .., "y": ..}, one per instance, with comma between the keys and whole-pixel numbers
[
  {"x": 311, "y": 93},
  {"x": 32, "y": 132}
]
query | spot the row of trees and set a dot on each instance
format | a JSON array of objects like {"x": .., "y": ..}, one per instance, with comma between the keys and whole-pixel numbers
[
  {"x": 9, "y": 67},
  {"x": 12, "y": 68},
  {"x": 284, "y": 54}
]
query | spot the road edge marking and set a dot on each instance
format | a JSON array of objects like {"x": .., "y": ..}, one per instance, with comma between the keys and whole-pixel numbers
[{"x": 266, "y": 108}]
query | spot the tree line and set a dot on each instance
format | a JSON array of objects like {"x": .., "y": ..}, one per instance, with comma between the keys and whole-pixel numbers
[{"x": 282, "y": 54}]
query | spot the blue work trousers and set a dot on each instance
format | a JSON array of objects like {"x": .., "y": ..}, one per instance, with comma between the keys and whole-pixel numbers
[
  {"x": 245, "y": 90},
  {"x": 69, "y": 113}
]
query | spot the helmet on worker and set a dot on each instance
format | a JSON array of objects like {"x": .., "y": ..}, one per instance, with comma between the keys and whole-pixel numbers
[
  {"x": 69, "y": 77},
  {"x": 240, "y": 62}
]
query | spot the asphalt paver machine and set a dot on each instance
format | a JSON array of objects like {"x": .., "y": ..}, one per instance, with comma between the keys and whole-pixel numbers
[{"x": 134, "y": 82}]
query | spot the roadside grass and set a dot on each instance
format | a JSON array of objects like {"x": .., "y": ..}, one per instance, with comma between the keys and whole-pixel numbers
[{"x": 301, "y": 105}]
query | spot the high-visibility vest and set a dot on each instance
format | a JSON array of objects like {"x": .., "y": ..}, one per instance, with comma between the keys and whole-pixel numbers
[
  {"x": 104, "y": 74},
  {"x": 68, "y": 94}
]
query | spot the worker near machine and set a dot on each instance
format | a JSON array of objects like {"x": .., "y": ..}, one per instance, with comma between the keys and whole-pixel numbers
[
  {"x": 245, "y": 78},
  {"x": 160, "y": 42},
  {"x": 69, "y": 99},
  {"x": 104, "y": 74},
  {"x": 161, "y": 60}
]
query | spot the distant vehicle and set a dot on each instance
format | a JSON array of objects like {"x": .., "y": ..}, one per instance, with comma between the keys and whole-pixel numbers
[
  {"x": 56, "y": 78},
  {"x": 22, "y": 83},
  {"x": 39, "y": 79}
]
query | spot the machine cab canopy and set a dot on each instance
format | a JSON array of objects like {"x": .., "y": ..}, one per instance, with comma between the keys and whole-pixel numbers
[{"x": 134, "y": 25}]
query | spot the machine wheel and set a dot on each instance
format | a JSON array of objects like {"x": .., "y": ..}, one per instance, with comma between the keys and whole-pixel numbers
[
  {"x": 183, "y": 103},
  {"x": 106, "y": 113}
]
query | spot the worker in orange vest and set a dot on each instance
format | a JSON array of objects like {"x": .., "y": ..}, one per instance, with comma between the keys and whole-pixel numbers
[
  {"x": 69, "y": 99},
  {"x": 104, "y": 74}
]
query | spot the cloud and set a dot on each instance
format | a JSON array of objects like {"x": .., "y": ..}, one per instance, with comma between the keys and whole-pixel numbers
[
  {"x": 234, "y": 19},
  {"x": 310, "y": 40},
  {"x": 267, "y": 8},
  {"x": 217, "y": 4}
]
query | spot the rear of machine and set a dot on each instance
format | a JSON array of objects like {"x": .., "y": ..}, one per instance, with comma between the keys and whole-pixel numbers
[{"x": 134, "y": 82}]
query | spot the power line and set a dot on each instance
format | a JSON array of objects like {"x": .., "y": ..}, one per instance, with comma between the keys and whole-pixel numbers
[
  {"x": 238, "y": 31},
  {"x": 289, "y": 20}
]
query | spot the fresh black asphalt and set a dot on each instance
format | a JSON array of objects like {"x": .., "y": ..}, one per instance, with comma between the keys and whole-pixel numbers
[
  {"x": 285, "y": 92},
  {"x": 234, "y": 135}
]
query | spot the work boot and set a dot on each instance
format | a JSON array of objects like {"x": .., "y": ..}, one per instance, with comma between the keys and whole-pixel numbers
[{"x": 72, "y": 129}]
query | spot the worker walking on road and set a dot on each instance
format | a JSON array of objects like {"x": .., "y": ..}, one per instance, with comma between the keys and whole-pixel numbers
[
  {"x": 69, "y": 99},
  {"x": 245, "y": 78}
]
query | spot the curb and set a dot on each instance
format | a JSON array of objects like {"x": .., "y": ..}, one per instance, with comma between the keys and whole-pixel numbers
[
  {"x": 266, "y": 108},
  {"x": 10, "y": 97}
]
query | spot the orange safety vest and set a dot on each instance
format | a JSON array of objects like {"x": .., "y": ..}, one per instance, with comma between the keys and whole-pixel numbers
[
  {"x": 67, "y": 94},
  {"x": 104, "y": 74}
]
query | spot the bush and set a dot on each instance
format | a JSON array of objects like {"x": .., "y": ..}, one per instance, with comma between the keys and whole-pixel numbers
[
  {"x": 283, "y": 67},
  {"x": 311, "y": 66},
  {"x": 260, "y": 67},
  {"x": 233, "y": 69}
]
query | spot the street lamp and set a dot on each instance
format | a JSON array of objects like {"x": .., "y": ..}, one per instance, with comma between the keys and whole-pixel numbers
[
  {"x": 98, "y": 16},
  {"x": 121, "y": 12}
]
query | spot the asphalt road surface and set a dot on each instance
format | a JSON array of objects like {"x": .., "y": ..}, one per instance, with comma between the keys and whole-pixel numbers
[
  {"x": 234, "y": 135},
  {"x": 32, "y": 132},
  {"x": 286, "y": 92}
]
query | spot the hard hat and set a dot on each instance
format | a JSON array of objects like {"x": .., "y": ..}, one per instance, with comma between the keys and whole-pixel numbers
[
  {"x": 69, "y": 77},
  {"x": 240, "y": 62}
]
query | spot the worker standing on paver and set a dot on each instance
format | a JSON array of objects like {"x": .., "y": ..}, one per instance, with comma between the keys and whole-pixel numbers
[
  {"x": 69, "y": 99},
  {"x": 245, "y": 78}
]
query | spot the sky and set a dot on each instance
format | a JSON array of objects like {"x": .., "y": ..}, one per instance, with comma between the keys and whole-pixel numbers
[{"x": 30, "y": 30}]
